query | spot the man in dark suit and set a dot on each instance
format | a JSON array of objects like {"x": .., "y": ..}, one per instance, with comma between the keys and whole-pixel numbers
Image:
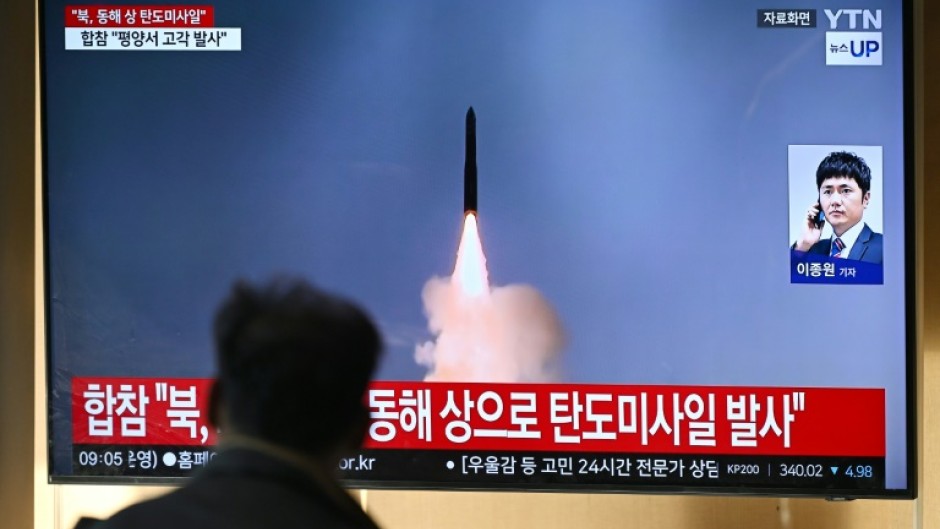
[
  {"x": 844, "y": 183},
  {"x": 867, "y": 246},
  {"x": 293, "y": 366}
]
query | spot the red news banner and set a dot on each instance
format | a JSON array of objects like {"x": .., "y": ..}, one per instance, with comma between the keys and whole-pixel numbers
[
  {"x": 141, "y": 411},
  {"x": 519, "y": 417},
  {"x": 139, "y": 16}
]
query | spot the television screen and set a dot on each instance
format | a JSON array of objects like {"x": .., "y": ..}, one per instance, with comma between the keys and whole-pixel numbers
[{"x": 648, "y": 246}]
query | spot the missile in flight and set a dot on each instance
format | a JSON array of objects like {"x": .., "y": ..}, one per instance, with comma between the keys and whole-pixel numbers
[{"x": 470, "y": 166}]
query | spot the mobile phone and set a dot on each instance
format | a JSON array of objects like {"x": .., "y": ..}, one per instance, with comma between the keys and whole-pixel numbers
[{"x": 820, "y": 217}]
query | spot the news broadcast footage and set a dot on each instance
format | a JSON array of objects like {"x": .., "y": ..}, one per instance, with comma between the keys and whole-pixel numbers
[{"x": 613, "y": 246}]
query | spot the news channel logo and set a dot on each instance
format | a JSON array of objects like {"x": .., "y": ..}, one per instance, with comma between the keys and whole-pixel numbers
[
  {"x": 860, "y": 46},
  {"x": 853, "y": 48}
]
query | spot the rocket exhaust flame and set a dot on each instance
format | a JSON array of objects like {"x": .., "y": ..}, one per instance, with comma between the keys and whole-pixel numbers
[{"x": 470, "y": 275}]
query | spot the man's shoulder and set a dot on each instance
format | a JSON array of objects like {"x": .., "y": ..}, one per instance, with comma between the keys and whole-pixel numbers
[
  {"x": 155, "y": 513},
  {"x": 234, "y": 504},
  {"x": 211, "y": 500},
  {"x": 868, "y": 246},
  {"x": 204, "y": 501},
  {"x": 240, "y": 490},
  {"x": 873, "y": 236},
  {"x": 870, "y": 237}
]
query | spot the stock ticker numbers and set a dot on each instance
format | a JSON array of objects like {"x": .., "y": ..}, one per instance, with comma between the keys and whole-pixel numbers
[
  {"x": 679, "y": 470},
  {"x": 613, "y": 471}
]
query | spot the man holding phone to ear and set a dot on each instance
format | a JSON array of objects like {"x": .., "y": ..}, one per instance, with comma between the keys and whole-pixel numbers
[{"x": 844, "y": 182}]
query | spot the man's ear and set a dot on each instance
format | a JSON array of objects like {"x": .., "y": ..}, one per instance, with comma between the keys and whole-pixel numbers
[
  {"x": 358, "y": 429},
  {"x": 866, "y": 198},
  {"x": 215, "y": 400}
]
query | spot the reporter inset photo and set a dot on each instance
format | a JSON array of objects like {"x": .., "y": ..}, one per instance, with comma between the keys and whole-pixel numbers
[{"x": 836, "y": 232}]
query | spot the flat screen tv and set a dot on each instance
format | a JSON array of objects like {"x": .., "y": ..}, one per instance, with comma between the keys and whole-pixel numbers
[{"x": 649, "y": 246}]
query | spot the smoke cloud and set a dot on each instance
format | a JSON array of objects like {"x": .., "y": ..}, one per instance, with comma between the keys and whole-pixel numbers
[{"x": 509, "y": 334}]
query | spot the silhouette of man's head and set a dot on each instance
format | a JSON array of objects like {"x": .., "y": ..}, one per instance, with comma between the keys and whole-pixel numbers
[{"x": 294, "y": 363}]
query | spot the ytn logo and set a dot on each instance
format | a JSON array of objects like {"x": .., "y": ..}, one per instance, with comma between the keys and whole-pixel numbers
[{"x": 870, "y": 19}]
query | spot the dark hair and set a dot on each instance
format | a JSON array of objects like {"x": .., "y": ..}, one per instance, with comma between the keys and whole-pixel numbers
[
  {"x": 844, "y": 165},
  {"x": 294, "y": 363}
]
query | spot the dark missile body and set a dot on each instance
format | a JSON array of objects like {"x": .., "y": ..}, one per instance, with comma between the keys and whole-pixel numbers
[{"x": 470, "y": 165}]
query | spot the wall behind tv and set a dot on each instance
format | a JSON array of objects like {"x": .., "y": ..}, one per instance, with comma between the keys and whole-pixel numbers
[{"x": 28, "y": 501}]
